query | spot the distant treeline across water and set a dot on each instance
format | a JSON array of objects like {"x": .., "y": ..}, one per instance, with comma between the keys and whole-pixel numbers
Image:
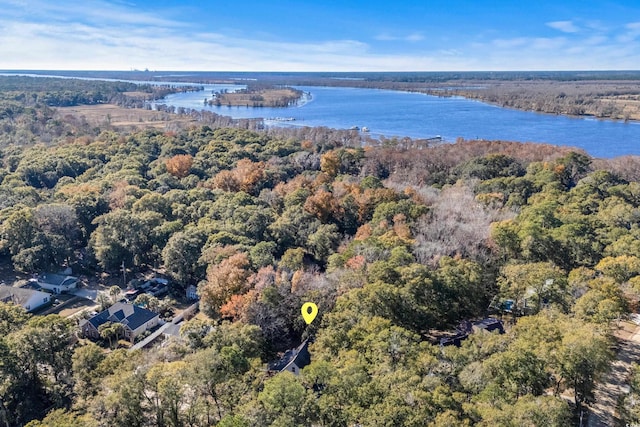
[
  {"x": 393, "y": 113},
  {"x": 398, "y": 114}
]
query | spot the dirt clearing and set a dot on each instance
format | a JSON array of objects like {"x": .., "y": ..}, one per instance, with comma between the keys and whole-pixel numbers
[{"x": 112, "y": 115}]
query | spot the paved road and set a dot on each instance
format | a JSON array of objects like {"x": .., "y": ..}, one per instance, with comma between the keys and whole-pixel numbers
[
  {"x": 614, "y": 385},
  {"x": 170, "y": 328},
  {"x": 86, "y": 293},
  {"x": 148, "y": 340},
  {"x": 58, "y": 308}
]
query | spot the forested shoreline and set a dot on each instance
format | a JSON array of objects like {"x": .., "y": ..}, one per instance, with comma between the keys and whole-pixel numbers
[
  {"x": 612, "y": 95},
  {"x": 617, "y": 100},
  {"x": 395, "y": 241},
  {"x": 28, "y": 91}
]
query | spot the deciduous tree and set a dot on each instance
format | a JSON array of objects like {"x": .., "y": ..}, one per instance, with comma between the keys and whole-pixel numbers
[{"x": 179, "y": 165}]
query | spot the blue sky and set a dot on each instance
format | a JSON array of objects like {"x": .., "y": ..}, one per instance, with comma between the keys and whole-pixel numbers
[{"x": 350, "y": 35}]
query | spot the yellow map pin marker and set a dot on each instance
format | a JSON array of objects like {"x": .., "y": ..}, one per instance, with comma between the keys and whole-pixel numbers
[{"x": 309, "y": 312}]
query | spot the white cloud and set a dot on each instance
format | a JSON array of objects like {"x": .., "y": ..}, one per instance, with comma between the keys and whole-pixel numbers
[
  {"x": 385, "y": 37},
  {"x": 510, "y": 43},
  {"x": 525, "y": 46},
  {"x": 450, "y": 52},
  {"x": 596, "y": 40},
  {"x": 564, "y": 26},
  {"x": 80, "y": 46},
  {"x": 38, "y": 34},
  {"x": 545, "y": 43},
  {"x": 596, "y": 26},
  {"x": 413, "y": 37},
  {"x": 596, "y": 52},
  {"x": 631, "y": 33}
]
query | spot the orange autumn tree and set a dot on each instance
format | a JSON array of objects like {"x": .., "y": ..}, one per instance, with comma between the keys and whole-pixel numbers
[
  {"x": 322, "y": 205},
  {"x": 235, "y": 308},
  {"x": 249, "y": 174},
  {"x": 238, "y": 305},
  {"x": 224, "y": 280},
  {"x": 226, "y": 181},
  {"x": 180, "y": 165},
  {"x": 246, "y": 176}
]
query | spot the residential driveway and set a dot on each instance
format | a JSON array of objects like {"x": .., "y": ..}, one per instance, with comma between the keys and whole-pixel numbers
[
  {"x": 70, "y": 307},
  {"x": 86, "y": 293}
]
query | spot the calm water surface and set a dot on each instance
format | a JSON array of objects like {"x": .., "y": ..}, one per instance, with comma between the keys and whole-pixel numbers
[{"x": 392, "y": 113}]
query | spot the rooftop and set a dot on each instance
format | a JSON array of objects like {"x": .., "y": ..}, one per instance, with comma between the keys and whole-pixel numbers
[
  {"x": 489, "y": 324},
  {"x": 19, "y": 296},
  {"x": 129, "y": 315},
  {"x": 57, "y": 279},
  {"x": 300, "y": 356}
]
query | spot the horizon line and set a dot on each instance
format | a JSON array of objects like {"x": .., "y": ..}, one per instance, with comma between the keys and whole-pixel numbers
[{"x": 9, "y": 70}]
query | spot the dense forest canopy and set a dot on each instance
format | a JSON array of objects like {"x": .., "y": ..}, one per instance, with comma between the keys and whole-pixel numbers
[{"x": 396, "y": 245}]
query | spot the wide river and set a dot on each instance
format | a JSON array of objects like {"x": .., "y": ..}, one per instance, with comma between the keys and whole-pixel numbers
[
  {"x": 393, "y": 113},
  {"x": 398, "y": 114}
]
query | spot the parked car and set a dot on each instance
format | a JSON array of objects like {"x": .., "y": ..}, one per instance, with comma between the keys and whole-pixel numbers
[{"x": 132, "y": 294}]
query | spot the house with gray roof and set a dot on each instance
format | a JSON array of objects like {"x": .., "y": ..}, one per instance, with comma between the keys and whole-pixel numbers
[
  {"x": 293, "y": 360},
  {"x": 30, "y": 299},
  {"x": 135, "y": 320},
  {"x": 56, "y": 283}
]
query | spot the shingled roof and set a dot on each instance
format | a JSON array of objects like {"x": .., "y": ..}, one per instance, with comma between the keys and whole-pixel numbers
[
  {"x": 57, "y": 279},
  {"x": 129, "y": 315},
  {"x": 18, "y": 296},
  {"x": 300, "y": 356}
]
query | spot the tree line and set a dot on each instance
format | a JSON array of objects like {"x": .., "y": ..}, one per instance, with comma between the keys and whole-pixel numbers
[{"x": 30, "y": 91}]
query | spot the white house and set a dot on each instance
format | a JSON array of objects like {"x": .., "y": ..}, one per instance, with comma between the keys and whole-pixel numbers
[
  {"x": 27, "y": 298},
  {"x": 56, "y": 283},
  {"x": 135, "y": 319}
]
